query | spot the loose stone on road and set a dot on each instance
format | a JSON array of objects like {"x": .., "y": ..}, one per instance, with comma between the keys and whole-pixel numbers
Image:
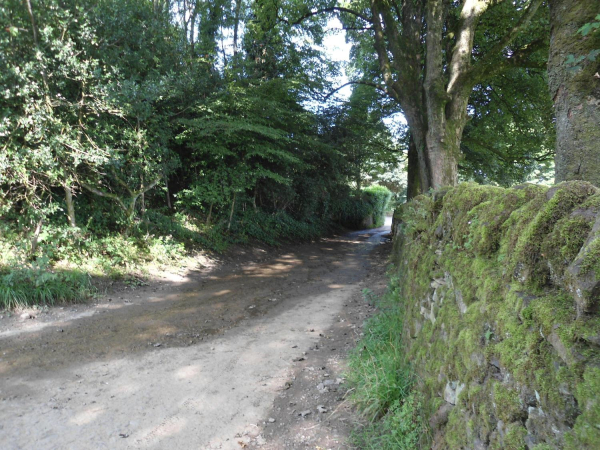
[{"x": 248, "y": 355}]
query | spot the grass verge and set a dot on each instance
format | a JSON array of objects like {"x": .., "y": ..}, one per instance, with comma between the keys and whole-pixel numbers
[
  {"x": 35, "y": 284},
  {"x": 383, "y": 381}
]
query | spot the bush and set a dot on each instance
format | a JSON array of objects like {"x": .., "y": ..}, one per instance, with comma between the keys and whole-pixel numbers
[
  {"x": 378, "y": 197},
  {"x": 371, "y": 203},
  {"x": 274, "y": 228}
]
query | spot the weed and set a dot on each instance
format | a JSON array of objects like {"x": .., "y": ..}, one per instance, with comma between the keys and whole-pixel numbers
[
  {"x": 36, "y": 284},
  {"x": 382, "y": 380}
]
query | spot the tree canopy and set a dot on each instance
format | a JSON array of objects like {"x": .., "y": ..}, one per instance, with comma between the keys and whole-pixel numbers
[{"x": 118, "y": 116}]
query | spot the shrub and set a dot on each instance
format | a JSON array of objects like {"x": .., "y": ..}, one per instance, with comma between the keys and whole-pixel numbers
[
  {"x": 378, "y": 197},
  {"x": 372, "y": 202}
]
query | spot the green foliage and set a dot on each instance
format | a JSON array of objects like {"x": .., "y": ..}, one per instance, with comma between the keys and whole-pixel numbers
[
  {"x": 370, "y": 205},
  {"x": 371, "y": 152},
  {"x": 275, "y": 228},
  {"x": 590, "y": 27},
  {"x": 573, "y": 62},
  {"x": 510, "y": 141},
  {"x": 399, "y": 429},
  {"x": 487, "y": 270},
  {"x": 37, "y": 284},
  {"x": 383, "y": 381},
  {"x": 378, "y": 197}
]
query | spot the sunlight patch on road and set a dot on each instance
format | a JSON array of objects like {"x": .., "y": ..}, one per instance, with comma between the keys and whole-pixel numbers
[
  {"x": 222, "y": 292},
  {"x": 37, "y": 326},
  {"x": 188, "y": 372},
  {"x": 87, "y": 416}
]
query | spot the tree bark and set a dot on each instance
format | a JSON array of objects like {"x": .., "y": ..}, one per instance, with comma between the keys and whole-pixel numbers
[
  {"x": 232, "y": 209},
  {"x": 443, "y": 161},
  {"x": 70, "y": 205},
  {"x": 413, "y": 187},
  {"x": 169, "y": 205},
  {"x": 36, "y": 236},
  {"x": 209, "y": 214},
  {"x": 575, "y": 92}
]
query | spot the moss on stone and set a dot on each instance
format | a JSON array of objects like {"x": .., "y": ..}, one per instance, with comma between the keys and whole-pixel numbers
[
  {"x": 527, "y": 260},
  {"x": 506, "y": 403},
  {"x": 586, "y": 433},
  {"x": 591, "y": 259},
  {"x": 502, "y": 324},
  {"x": 514, "y": 439},
  {"x": 455, "y": 431}
]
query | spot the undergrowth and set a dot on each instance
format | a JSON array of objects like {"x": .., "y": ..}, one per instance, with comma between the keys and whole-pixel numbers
[
  {"x": 59, "y": 268},
  {"x": 383, "y": 381},
  {"x": 56, "y": 265},
  {"x": 36, "y": 284}
]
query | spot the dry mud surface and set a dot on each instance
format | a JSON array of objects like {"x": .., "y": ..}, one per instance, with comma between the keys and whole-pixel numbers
[{"x": 247, "y": 355}]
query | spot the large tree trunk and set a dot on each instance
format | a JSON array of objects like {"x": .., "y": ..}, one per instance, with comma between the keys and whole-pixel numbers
[
  {"x": 413, "y": 185},
  {"x": 443, "y": 163},
  {"x": 432, "y": 82},
  {"x": 575, "y": 91}
]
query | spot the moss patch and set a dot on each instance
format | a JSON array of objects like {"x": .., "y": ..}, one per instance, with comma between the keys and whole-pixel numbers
[{"x": 485, "y": 270}]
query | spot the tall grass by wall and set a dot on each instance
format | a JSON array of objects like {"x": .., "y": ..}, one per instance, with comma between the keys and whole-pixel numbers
[{"x": 382, "y": 380}]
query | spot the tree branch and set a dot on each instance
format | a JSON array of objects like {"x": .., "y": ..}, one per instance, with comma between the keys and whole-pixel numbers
[
  {"x": 519, "y": 58},
  {"x": 354, "y": 29},
  {"x": 145, "y": 189},
  {"x": 100, "y": 193},
  {"x": 395, "y": 41},
  {"x": 382, "y": 56},
  {"x": 327, "y": 10},
  {"x": 514, "y": 31},
  {"x": 363, "y": 82},
  {"x": 480, "y": 70}
]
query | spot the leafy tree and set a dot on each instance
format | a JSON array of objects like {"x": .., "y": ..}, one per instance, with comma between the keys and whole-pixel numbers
[
  {"x": 360, "y": 135},
  {"x": 50, "y": 108},
  {"x": 510, "y": 133},
  {"x": 430, "y": 55}
]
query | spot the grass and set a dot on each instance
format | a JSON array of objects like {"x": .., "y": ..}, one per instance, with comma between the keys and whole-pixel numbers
[
  {"x": 36, "y": 284},
  {"x": 383, "y": 381},
  {"x": 59, "y": 269}
]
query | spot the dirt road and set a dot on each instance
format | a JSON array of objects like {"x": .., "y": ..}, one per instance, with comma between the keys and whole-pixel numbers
[{"x": 247, "y": 355}]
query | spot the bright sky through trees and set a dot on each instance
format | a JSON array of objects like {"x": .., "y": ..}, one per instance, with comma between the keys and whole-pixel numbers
[{"x": 338, "y": 50}]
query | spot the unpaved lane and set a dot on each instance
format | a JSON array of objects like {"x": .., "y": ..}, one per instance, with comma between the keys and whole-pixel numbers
[{"x": 190, "y": 367}]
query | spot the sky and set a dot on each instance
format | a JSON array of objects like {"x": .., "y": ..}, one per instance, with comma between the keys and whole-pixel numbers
[{"x": 337, "y": 49}]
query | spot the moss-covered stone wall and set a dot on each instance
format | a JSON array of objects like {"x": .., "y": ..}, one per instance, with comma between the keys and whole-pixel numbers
[{"x": 502, "y": 291}]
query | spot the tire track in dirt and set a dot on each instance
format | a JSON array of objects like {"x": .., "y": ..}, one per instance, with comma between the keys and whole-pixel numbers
[{"x": 192, "y": 367}]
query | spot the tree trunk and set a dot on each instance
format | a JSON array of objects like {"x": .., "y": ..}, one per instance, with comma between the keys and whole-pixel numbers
[
  {"x": 575, "y": 92},
  {"x": 169, "y": 204},
  {"x": 209, "y": 214},
  {"x": 70, "y": 205},
  {"x": 413, "y": 187},
  {"x": 231, "y": 213},
  {"x": 36, "y": 236}
]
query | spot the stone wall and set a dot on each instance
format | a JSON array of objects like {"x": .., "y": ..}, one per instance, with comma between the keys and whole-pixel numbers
[{"x": 502, "y": 289}]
